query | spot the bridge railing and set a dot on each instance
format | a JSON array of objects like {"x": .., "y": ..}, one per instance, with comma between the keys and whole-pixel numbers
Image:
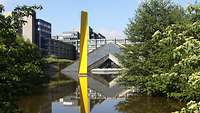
[{"x": 95, "y": 43}]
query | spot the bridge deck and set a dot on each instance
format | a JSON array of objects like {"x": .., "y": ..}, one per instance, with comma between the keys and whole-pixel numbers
[{"x": 106, "y": 71}]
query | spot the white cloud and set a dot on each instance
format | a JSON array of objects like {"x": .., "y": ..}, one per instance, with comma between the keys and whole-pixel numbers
[
  {"x": 108, "y": 33},
  {"x": 111, "y": 33},
  {"x": 140, "y": 1}
]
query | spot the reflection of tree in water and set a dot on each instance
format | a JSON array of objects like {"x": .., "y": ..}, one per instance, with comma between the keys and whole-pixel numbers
[
  {"x": 42, "y": 103},
  {"x": 33, "y": 104},
  {"x": 145, "y": 104},
  {"x": 93, "y": 102}
]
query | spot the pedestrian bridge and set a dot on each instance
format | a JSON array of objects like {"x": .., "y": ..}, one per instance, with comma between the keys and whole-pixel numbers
[{"x": 103, "y": 70}]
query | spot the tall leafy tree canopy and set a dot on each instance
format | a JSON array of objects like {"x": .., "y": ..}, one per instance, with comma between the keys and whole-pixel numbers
[
  {"x": 21, "y": 64},
  {"x": 166, "y": 61},
  {"x": 153, "y": 15}
]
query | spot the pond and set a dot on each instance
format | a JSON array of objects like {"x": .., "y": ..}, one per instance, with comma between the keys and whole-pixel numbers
[{"x": 64, "y": 99}]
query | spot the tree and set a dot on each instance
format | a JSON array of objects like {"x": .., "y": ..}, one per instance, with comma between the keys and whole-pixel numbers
[
  {"x": 22, "y": 68},
  {"x": 194, "y": 12},
  {"x": 176, "y": 58},
  {"x": 153, "y": 15},
  {"x": 168, "y": 63},
  {"x": 192, "y": 107}
]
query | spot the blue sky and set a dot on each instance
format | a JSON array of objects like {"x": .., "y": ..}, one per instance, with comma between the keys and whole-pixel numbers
[{"x": 109, "y": 17}]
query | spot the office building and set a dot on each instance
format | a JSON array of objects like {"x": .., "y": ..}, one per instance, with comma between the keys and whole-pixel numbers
[
  {"x": 95, "y": 39},
  {"x": 43, "y": 35},
  {"x": 28, "y": 29},
  {"x": 38, "y": 32},
  {"x": 62, "y": 49}
]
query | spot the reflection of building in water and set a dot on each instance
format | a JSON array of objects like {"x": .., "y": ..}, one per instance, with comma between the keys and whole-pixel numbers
[
  {"x": 94, "y": 102},
  {"x": 93, "y": 94},
  {"x": 73, "y": 101},
  {"x": 103, "y": 70},
  {"x": 69, "y": 101}
]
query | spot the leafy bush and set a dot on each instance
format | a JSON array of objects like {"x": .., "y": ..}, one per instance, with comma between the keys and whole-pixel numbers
[
  {"x": 22, "y": 68},
  {"x": 192, "y": 107},
  {"x": 168, "y": 63}
]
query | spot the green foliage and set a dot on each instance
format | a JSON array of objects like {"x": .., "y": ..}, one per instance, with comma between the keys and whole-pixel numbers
[
  {"x": 153, "y": 15},
  {"x": 54, "y": 84},
  {"x": 192, "y": 107},
  {"x": 194, "y": 11},
  {"x": 168, "y": 62},
  {"x": 22, "y": 67},
  {"x": 54, "y": 59},
  {"x": 181, "y": 61},
  {"x": 172, "y": 65},
  {"x": 60, "y": 63},
  {"x": 1, "y": 8}
]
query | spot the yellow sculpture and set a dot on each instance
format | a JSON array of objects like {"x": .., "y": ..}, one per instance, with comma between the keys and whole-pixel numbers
[{"x": 83, "y": 62}]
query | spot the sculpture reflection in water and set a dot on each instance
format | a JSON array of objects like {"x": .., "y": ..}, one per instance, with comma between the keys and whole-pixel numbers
[
  {"x": 65, "y": 99},
  {"x": 66, "y": 95}
]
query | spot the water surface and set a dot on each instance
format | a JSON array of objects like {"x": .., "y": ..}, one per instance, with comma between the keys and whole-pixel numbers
[{"x": 64, "y": 99}]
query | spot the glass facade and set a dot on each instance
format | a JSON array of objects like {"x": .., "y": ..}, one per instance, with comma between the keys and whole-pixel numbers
[
  {"x": 43, "y": 35},
  {"x": 62, "y": 49},
  {"x": 95, "y": 39}
]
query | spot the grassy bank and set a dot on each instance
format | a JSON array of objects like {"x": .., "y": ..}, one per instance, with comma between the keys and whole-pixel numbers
[
  {"x": 55, "y": 83},
  {"x": 54, "y": 59},
  {"x": 58, "y": 79}
]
